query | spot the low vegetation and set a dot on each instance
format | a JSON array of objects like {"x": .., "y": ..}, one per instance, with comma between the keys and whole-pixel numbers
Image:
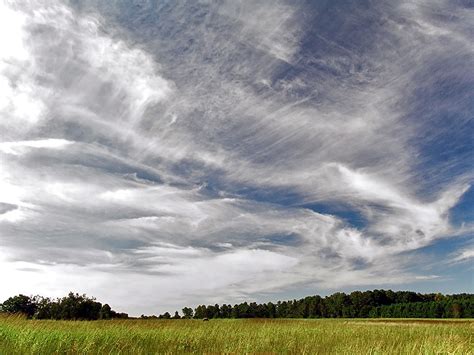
[{"x": 312, "y": 336}]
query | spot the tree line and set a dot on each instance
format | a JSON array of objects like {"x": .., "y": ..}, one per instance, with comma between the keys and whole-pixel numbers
[
  {"x": 72, "y": 307},
  {"x": 358, "y": 304},
  {"x": 368, "y": 304}
]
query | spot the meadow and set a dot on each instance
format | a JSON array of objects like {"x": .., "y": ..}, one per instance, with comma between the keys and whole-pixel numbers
[{"x": 310, "y": 336}]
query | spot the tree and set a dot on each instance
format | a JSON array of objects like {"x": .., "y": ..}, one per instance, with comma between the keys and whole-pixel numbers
[
  {"x": 271, "y": 310},
  {"x": 226, "y": 311},
  {"x": 456, "y": 310},
  {"x": 165, "y": 315},
  {"x": 212, "y": 311},
  {"x": 20, "y": 304},
  {"x": 176, "y": 315},
  {"x": 45, "y": 308},
  {"x": 187, "y": 312},
  {"x": 377, "y": 303},
  {"x": 200, "y": 312},
  {"x": 80, "y": 307},
  {"x": 105, "y": 312}
]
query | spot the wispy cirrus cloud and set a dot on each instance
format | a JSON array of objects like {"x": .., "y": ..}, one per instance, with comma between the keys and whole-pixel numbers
[
  {"x": 463, "y": 255},
  {"x": 215, "y": 151}
]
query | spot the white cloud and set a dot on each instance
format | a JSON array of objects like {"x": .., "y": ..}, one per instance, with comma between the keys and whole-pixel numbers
[
  {"x": 464, "y": 255},
  {"x": 271, "y": 26},
  {"x": 20, "y": 101},
  {"x": 151, "y": 163},
  {"x": 15, "y": 148}
]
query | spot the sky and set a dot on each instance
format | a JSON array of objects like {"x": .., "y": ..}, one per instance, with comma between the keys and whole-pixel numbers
[{"x": 162, "y": 154}]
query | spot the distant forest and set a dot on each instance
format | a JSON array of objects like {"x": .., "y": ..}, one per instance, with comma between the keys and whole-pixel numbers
[
  {"x": 72, "y": 307},
  {"x": 367, "y": 304}
]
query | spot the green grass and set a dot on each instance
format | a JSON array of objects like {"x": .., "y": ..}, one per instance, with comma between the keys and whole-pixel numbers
[{"x": 335, "y": 336}]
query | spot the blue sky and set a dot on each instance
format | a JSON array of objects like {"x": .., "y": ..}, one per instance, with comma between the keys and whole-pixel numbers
[{"x": 157, "y": 154}]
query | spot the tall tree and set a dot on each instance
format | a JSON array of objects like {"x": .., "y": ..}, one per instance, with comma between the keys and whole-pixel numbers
[{"x": 187, "y": 312}]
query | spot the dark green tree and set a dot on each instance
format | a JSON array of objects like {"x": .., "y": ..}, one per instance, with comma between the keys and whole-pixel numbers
[
  {"x": 176, "y": 315},
  {"x": 105, "y": 312},
  {"x": 165, "y": 315},
  {"x": 20, "y": 304},
  {"x": 187, "y": 312}
]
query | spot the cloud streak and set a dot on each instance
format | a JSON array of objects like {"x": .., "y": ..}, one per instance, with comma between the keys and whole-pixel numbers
[{"x": 216, "y": 151}]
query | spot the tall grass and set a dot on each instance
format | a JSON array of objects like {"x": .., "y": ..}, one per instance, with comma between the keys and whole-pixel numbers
[{"x": 339, "y": 336}]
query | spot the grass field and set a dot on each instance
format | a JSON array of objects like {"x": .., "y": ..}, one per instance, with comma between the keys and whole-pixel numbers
[{"x": 323, "y": 336}]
